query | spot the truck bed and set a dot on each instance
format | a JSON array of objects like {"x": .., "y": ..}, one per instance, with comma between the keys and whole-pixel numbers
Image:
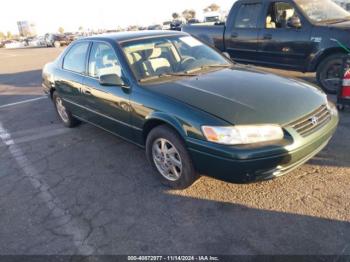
[{"x": 210, "y": 34}]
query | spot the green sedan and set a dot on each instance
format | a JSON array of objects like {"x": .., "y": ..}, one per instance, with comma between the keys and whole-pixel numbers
[{"x": 192, "y": 109}]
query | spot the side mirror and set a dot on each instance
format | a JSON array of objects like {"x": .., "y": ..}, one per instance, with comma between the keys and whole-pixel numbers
[
  {"x": 227, "y": 55},
  {"x": 294, "y": 22},
  {"x": 111, "y": 80}
]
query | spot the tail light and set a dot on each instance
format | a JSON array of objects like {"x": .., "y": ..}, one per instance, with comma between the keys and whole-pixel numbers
[
  {"x": 346, "y": 85},
  {"x": 345, "y": 92}
]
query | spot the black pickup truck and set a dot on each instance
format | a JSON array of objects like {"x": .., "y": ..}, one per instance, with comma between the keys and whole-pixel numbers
[{"x": 301, "y": 35}]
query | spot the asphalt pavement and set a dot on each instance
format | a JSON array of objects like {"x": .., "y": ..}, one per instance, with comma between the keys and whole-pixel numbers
[{"x": 84, "y": 191}]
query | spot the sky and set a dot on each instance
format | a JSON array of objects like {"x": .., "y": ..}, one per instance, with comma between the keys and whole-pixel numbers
[{"x": 49, "y": 15}]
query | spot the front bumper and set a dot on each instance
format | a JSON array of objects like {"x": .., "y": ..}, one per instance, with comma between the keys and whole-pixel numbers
[{"x": 250, "y": 164}]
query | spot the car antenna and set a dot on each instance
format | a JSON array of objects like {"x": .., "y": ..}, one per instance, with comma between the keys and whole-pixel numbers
[{"x": 341, "y": 45}]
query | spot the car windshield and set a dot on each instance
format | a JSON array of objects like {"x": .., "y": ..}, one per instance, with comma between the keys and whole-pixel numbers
[
  {"x": 323, "y": 11},
  {"x": 173, "y": 56}
]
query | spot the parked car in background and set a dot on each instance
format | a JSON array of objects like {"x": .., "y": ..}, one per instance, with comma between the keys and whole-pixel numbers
[
  {"x": 14, "y": 44},
  {"x": 212, "y": 17},
  {"x": 193, "y": 110},
  {"x": 154, "y": 27},
  {"x": 37, "y": 41},
  {"x": 302, "y": 35},
  {"x": 166, "y": 25},
  {"x": 72, "y": 36},
  {"x": 193, "y": 21},
  {"x": 142, "y": 28},
  {"x": 176, "y": 25},
  {"x": 57, "y": 40},
  {"x": 27, "y": 40}
]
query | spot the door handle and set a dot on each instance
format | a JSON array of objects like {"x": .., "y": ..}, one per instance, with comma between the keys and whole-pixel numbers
[
  {"x": 86, "y": 92},
  {"x": 267, "y": 37},
  {"x": 234, "y": 35}
]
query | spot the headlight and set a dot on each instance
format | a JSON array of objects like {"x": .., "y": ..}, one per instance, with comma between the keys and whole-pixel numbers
[{"x": 239, "y": 135}]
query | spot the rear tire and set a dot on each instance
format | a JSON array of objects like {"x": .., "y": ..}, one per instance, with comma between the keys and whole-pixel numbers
[
  {"x": 329, "y": 73},
  {"x": 63, "y": 113},
  {"x": 173, "y": 164}
]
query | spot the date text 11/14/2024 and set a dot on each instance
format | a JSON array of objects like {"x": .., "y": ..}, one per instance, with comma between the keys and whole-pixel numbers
[{"x": 173, "y": 258}]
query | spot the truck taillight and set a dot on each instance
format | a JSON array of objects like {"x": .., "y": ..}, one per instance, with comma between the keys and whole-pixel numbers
[
  {"x": 345, "y": 92},
  {"x": 346, "y": 85}
]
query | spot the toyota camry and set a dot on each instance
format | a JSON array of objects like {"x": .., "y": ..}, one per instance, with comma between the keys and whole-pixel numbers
[{"x": 193, "y": 110}]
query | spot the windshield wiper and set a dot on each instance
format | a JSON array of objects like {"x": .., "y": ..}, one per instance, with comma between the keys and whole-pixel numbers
[
  {"x": 209, "y": 66},
  {"x": 182, "y": 74}
]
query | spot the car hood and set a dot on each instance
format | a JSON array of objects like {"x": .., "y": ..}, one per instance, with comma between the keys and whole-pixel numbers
[{"x": 245, "y": 96}]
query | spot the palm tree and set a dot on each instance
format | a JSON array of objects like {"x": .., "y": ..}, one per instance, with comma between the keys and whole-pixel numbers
[
  {"x": 9, "y": 35},
  {"x": 213, "y": 8},
  {"x": 189, "y": 14},
  {"x": 61, "y": 30},
  {"x": 175, "y": 16}
]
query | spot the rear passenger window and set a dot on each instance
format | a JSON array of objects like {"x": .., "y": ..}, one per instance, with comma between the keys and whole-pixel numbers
[
  {"x": 247, "y": 16},
  {"x": 103, "y": 61},
  {"x": 75, "y": 58}
]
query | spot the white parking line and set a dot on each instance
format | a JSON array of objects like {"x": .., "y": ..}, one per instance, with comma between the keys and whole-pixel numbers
[
  {"x": 40, "y": 135},
  {"x": 65, "y": 220},
  {"x": 23, "y": 102},
  {"x": 35, "y": 130}
]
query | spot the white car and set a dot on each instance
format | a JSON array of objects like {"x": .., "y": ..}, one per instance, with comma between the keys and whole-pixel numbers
[
  {"x": 37, "y": 42},
  {"x": 15, "y": 44}
]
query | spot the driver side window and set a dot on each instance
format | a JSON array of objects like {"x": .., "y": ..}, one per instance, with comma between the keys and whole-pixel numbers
[
  {"x": 103, "y": 61},
  {"x": 282, "y": 15}
]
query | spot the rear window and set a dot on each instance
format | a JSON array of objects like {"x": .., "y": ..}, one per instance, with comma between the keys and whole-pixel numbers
[{"x": 248, "y": 15}]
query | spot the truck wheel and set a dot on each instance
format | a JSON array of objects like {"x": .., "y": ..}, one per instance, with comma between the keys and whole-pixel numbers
[
  {"x": 168, "y": 155},
  {"x": 57, "y": 44},
  {"x": 340, "y": 107},
  {"x": 329, "y": 73}
]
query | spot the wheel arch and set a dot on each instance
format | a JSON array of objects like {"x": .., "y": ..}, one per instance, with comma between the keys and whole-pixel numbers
[
  {"x": 52, "y": 90},
  {"x": 326, "y": 53},
  {"x": 158, "y": 119}
]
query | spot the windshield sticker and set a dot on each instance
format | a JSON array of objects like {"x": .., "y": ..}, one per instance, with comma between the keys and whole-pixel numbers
[{"x": 190, "y": 41}]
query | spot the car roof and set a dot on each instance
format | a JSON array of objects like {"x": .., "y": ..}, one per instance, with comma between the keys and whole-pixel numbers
[{"x": 134, "y": 35}]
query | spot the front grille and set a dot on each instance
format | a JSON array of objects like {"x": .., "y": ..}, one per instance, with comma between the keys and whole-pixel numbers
[{"x": 312, "y": 122}]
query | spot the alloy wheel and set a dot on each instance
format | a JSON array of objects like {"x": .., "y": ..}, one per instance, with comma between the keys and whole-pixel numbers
[
  {"x": 167, "y": 159},
  {"x": 61, "y": 109},
  {"x": 331, "y": 77}
]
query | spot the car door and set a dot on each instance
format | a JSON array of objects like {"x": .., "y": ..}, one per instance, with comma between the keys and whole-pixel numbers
[
  {"x": 109, "y": 106},
  {"x": 280, "y": 43},
  {"x": 70, "y": 77},
  {"x": 241, "y": 35}
]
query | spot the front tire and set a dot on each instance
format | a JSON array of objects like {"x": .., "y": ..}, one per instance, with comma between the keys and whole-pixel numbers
[
  {"x": 168, "y": 155},
  {"x": 329, "y": 73},
  {"x": 63, "y": 113}
]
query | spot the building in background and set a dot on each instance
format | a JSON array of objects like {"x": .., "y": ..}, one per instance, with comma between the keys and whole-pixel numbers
[
  {"x": 26, "y": 29},
  {"x": 343, "y": 3}
]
